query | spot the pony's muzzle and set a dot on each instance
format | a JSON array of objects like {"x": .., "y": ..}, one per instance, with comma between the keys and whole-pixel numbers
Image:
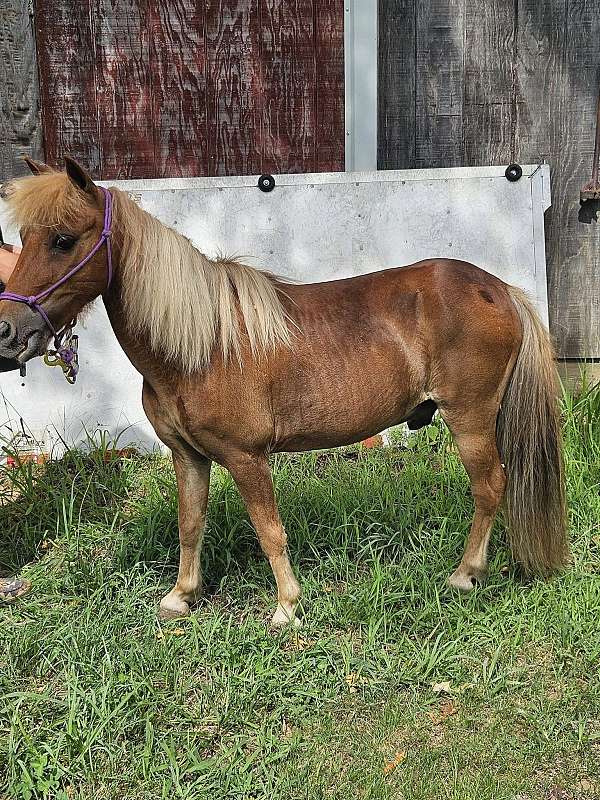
[{"x": 23, "y": 334}]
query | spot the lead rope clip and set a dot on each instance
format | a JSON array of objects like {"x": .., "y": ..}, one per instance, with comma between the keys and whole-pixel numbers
[{"x": 66, "y": 354}]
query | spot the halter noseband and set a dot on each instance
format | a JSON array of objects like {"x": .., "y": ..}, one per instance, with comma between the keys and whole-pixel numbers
[{"x": 34, "y": 301}]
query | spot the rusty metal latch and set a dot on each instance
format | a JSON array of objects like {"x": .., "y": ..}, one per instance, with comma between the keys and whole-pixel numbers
[{"x": 591, "y": 190}]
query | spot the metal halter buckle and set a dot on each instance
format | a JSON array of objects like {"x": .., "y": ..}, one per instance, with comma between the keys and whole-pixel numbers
[{"x": 66, "y": 355}]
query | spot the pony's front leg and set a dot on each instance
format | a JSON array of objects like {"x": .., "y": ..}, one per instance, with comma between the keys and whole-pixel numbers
[
  {"x": 253, "y": 478},
  {"x": 193, "y": 476}
]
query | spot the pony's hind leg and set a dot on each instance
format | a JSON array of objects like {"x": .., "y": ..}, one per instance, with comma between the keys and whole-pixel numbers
[
  {"x": 479, "y": 453},
  {"x": 193, "y": 476},
  {"x": 253, "y": 478}
]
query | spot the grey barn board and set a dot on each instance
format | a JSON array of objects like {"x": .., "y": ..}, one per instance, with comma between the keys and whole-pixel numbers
[
  {"x": 20, "y": 123},
  {"x": 474, "y": 82}
]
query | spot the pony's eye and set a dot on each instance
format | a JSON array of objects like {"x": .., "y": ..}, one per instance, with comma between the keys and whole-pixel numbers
[{"x": 63, "y": 242}]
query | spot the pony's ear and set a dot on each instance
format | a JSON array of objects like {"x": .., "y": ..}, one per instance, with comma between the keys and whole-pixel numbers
[
  {"x": 36, "y": 167},
  {"x": 78, "y": 176}
]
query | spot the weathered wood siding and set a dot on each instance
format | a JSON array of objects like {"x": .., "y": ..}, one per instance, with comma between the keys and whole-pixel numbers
[
  {"x": 473, "y": 82},
  {"x": 20, "y": 129},
  {"x": 157, "y": 88}
]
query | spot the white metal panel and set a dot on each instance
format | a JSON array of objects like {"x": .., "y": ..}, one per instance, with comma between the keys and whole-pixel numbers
[{"x": 310, "y": 228}]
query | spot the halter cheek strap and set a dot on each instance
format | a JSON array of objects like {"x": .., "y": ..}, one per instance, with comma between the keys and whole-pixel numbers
[{"x": 34, "y": 301}]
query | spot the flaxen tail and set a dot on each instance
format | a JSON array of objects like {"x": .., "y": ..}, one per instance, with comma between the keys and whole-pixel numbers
[{"x": 530, "y": 444}]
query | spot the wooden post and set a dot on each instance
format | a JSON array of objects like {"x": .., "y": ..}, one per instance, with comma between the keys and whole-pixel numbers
[{"x": 20, "y": 128}]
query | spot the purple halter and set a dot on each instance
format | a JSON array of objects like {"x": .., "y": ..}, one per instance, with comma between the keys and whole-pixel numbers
[{"x": 34, "y": 301}]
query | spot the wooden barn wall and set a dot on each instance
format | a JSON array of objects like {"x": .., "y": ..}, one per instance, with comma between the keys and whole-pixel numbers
[
  {"x": 20, "y": 128},
  {"x": 473, "y": 82},
  {"x": 149, "y": 87},
  {"x": 170, "y": 88}
]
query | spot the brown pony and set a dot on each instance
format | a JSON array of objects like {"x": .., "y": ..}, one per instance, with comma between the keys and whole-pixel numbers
[{"x": 238, "y": 364}]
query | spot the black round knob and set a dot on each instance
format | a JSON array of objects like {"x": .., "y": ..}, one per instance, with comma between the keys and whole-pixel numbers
[
  {"x": 266, "y": 183},
  {"x": 513, "y": 172}
]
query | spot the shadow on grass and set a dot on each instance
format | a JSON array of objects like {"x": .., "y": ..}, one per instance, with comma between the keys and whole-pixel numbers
[
  {"x": 111, "y": 515},
  {"x": 41, "y": 501}
]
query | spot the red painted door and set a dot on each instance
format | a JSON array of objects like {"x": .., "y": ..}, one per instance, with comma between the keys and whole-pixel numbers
[{"x": 169, "y": 88}]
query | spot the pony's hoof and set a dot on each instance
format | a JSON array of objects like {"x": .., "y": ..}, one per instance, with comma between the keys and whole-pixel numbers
[
  {"x": 173, "y": 608},
  {"x": 285, "y": 616},
  {"x": 465, "y": 580}
]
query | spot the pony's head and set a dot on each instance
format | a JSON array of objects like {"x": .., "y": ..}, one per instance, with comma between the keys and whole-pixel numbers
[{"x": 61, "y": 219}]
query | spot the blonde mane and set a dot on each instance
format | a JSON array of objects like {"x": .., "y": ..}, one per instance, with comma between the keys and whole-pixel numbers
[
  {"x": 48, "y": 200},
  {"x": 185, "y": 303}
]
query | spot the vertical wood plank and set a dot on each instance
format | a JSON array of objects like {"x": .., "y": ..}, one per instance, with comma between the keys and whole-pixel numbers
[
  {"x": 543, "y": 89},
  {"x": 328, "y": 29},
  {"x": 440, "y": 83},
  {"x": 20, "y": 123},
  {"x": 489, "y": 113},
  {"x": 559, "y": 78},
  {"x": 124, "y": 88},
  {"x": 67, "y": 64},
  {"x": 396, "y": 72},
  {"x": 234, "y": 88},
  {"x": 288, "y": 82},
  {"x": 574, "y": 288},
  {"x": 178, "y": 88},
  {"x": 541, "y": 81}
]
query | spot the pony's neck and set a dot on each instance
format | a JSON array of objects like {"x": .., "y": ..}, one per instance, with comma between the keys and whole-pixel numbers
[{"x": 184, "y": 304}]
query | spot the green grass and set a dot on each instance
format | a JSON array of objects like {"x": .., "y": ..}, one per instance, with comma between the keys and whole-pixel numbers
[{"x": 99, "y": 700}]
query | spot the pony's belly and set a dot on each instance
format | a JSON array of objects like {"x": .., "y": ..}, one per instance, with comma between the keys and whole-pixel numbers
[
  {"x": 340, "y": 389},
  {"x": 340, "y": 422},
  {"x": 324, "y": 439}
]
